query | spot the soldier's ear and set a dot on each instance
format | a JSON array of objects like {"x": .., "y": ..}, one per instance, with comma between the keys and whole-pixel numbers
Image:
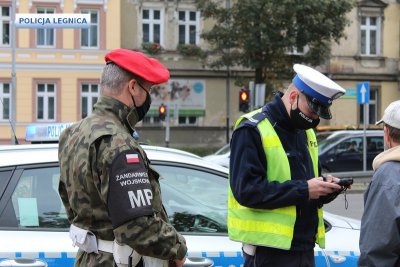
[{"x": 131, "y": 86}]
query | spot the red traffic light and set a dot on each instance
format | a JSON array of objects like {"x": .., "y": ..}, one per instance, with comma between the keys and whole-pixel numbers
[
  {"x": 244, "y": 96},
  {"x": 162, "y": 109},
  {"x": 244, "y": 99}
]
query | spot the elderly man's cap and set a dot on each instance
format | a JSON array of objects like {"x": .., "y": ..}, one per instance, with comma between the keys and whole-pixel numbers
[
  {"x": 139, "y": 64},
  {"x": 319, "y": 90},
  {"x": 392, "y": 115}
]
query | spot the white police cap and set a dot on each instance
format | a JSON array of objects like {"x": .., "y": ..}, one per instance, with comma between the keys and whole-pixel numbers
[{"x": 319, "y": 89}]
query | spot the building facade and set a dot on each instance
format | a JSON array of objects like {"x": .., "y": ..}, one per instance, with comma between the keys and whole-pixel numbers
[{"x": 58, "y": 70}]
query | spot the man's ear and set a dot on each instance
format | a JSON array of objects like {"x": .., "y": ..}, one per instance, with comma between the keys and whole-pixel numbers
[
  {"x": 131, "y": 86},
  {"x": 293, "y": 96},
  {"x": 386, "y": 135}
]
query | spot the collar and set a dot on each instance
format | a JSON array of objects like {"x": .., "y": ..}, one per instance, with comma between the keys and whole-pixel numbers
[
  {"x": 119, "y": 109},
  {"x": 278, "y": 113}
]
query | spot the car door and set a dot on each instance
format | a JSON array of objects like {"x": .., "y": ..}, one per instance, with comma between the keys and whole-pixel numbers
[
  {"x": 33, "y": 222},
  {"x": 195, "y": 199},
  {"x": 345, "y": 155},
  {"x": 374, "y": 147}
]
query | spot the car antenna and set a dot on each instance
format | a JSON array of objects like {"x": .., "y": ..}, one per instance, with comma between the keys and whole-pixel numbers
[{"x": 12, "y": 128}]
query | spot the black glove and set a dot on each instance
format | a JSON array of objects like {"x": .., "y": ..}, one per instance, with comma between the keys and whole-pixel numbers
[{"x": 344, "y": 182}]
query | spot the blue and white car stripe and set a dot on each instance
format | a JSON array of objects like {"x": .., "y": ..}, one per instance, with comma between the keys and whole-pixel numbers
[{"x": 220, "y": 259}]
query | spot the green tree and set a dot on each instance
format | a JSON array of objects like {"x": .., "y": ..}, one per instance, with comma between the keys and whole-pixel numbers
[{"x": 261, "y": 34}]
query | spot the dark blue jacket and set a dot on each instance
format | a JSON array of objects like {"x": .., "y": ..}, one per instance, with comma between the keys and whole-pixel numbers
[{"x": 248, "y": 172}]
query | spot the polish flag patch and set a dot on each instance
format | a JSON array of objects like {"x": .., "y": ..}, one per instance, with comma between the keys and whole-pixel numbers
[{"x": 132, "y": 158}]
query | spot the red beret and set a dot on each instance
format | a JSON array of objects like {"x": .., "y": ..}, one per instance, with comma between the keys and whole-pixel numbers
[{"x": 138, "y": 63}]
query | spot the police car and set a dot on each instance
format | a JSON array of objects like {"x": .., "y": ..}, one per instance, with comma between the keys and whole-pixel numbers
[{"x": 34, "y": 226}]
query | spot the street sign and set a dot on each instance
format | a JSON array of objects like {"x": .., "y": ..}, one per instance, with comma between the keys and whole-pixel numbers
[
  {"x": 363, "y": 93},
  {"x": 363, "y": 99}
]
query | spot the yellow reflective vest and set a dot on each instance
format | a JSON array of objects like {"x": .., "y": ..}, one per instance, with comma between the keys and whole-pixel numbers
[{"x": 271, "y": 227}]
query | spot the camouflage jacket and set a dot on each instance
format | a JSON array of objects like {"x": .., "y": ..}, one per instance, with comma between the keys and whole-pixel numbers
[{"x": 108, "y": 186}]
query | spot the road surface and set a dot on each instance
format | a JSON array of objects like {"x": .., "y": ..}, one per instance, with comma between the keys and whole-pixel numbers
[{"x": 355, "y": 205}]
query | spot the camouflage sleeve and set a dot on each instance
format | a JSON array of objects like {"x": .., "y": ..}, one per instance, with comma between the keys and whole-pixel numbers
[
  {"x": 64, "y": 197},
  {"x": 132, "y": 193},
  {"x": 152, "y": 237},
  {"x": 62, "y": 190}
]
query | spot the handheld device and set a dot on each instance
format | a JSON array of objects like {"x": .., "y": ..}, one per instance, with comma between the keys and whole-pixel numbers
[{"x": 345, "y": 182}]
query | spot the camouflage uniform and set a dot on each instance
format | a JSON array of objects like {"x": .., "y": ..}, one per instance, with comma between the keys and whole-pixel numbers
[{"x": 91, "y": 153}]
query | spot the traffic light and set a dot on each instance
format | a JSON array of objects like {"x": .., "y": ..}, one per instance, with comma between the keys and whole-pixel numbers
[
  {"x": 162, "y": 111},
  {"x": 244, "y": 98}
]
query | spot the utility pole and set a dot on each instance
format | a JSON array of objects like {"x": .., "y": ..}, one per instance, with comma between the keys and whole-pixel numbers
[
  {"x": 14, "y": 140},
  {"x": 228, "y": 79}
]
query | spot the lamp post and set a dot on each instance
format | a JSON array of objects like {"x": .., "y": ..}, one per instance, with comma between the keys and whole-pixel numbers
[
  {"x": 13, "y": 118},
  {"x": 228, "y": 79}
]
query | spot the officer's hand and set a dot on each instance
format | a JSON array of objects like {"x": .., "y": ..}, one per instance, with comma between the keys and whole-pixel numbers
[
  {"x": 331, "y": 179},
  {"x": 317, "y": 187},
  {"x": 179, "y": 263}
]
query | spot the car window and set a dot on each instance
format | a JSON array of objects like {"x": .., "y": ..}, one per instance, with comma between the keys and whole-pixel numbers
[
  {"x": 35, "y": 202},
  {"x": 195, "y": 200},
  {"x": 4, "y": 179},
  {"x": 353, "y": 145},
  {"x": 375, "y": 144},
  {"x": 348, "y": 145},
  {"x": 326, "y": 142}
]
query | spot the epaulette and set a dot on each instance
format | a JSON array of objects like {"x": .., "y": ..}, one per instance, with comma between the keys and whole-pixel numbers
[{"x": 253, "y": 120}]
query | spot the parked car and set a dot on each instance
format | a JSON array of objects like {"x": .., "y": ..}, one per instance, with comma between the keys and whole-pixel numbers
[
  {"x": 220, "y": 157},
  {"x": 34, "y": 226},
  {"x": 342, "y": 151}
]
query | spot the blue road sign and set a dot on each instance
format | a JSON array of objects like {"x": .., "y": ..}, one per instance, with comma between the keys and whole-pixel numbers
[{"x": 363, "y": 93}]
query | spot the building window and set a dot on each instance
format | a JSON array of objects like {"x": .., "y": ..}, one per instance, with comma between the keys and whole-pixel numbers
[
  {"x": 152, "y": 26},
  {"x": 5, "y": 25},
  {"x": 298, "y": 50},
  {"x": 46, "y": 102},
  {"x": 370, "y": 35},
  {"x": 187, "y": 120},
  {"x": 45, "y": 37},
  {"x": 372, "y": 108},
  {"x": 188, "y": 27},
  {"x": 89, "y": 97},
  {"x": 151, "y": 120},
  {"x": 5, "y": 96},
  {"x": 90, "y": 36}
]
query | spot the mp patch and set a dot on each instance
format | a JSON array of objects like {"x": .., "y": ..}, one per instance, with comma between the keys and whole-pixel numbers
[{"x": 129, "y": 194}]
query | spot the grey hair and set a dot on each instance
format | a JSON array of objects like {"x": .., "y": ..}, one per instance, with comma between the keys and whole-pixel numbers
[{"x": 114, "y": 78}]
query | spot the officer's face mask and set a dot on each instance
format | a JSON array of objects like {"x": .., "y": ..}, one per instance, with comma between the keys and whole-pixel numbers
[
  {"x": 300, "y": 120},
  {"x": 143, "y": 109}
]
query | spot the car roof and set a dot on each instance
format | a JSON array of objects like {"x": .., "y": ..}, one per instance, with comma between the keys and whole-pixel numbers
[
  {"x": 11, "y": 155},
  {"x": 169, "y": 150},
  {"x": 354, "y": 132}
]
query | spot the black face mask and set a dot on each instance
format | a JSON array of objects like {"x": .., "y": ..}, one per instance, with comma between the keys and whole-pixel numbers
[
  {"x": 300, "y": 120},
  {"x": 143, "y": 109}
]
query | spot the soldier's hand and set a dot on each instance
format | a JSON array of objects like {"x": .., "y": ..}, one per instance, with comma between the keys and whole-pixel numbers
[
  {"x": 179, "y": 263},
  {"x": 317, "y": 187}
]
